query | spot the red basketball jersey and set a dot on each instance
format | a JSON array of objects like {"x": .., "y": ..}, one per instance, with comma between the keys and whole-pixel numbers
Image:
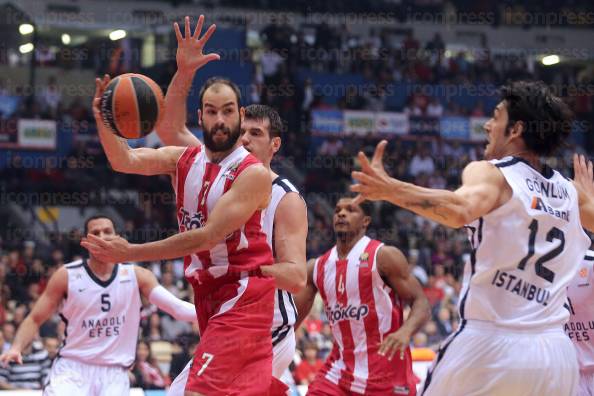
[
  {"x": 199, "y": 185},
  {"x": 361, "y": 310}
]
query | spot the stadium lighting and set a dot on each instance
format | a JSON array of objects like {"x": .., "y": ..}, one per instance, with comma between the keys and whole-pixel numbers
[
  {"x": 550, "y": 60},
  {"x": 66, "y": 39},
  {"x": 117, "y": 34},
  {"x": 26, "y": 48},
  {"x": 26, "y": 28}
]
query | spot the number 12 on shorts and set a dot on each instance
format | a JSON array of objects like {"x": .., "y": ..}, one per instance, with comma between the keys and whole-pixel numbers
[{"x": 207, "y": 359}]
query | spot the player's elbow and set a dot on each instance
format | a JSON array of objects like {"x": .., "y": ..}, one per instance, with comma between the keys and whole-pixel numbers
[
  {"x": 460, "y": 218},
  {"x": 299, "y": 282}
]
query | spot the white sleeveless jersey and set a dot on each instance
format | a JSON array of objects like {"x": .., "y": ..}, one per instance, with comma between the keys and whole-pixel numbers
[
  {"x": 285, "y": 312},
  {"x": 525, "y": 252},
  {"x": 580, "y": 303},
  {"x": 102, "y": 317}
]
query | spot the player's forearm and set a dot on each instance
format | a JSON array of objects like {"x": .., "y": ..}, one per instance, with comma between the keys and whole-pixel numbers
[
  {"x": 172, "y": 128},
  {"x": 303, "y": 302},
  {"x": 166, "y": 301},
  {"x": 442, "y": 206},
  {"x": 25, "y": 334},
  {"x": 420, "y": 313},
  {"x": 288, "y": 276},
  {"x": 116, "y": 150},
  {"x": 178, "y": 245}
]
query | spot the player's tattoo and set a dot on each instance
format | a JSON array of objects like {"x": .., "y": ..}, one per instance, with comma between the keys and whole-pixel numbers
[{"x": 426, "y": 204}]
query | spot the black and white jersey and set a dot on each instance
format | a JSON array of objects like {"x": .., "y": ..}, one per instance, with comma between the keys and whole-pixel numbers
[
  {"x": 526, "y": 252},
  {"x": 580, "y": 327},
  {"x": 285, "y": 312},
  {"x": 102, "y": 317}
]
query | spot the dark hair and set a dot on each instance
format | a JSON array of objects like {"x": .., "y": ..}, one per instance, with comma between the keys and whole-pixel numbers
[
  {"x": 223, "y": 81},
  {"x": 95, "y": 217},
  {"x": 366, "y": 206},
  {"x": 262, "y": 112},
  {"x": 545, "y": 117}
]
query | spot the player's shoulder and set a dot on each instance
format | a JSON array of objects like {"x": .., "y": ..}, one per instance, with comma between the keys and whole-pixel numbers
[
  {"x": 483, "y": 171},
  {"x": 390, "y": 258},
  {"x": 74, "y": 264},
  {"x": 284, "y": 184}
]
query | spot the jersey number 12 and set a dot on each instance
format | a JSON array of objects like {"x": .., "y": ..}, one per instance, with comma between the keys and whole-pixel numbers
[{"x": 541, "y": 270}]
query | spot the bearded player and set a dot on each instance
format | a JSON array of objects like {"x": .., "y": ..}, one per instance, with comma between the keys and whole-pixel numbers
[
  {"x": 285, "y": 218},
  {"x": 221, "y": 191}
]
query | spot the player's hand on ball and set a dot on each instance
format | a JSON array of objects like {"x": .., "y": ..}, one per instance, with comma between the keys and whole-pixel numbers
[
  {"x": 374, "y": 182},
  {"x": 100, "y": 85},
  {"x": 583, "y": 178},
  {"x": 189, "y": 54},
  {"x": 114, "y": 250},
  {"x": 397, "y": 341},
  {"x": 11, "y": 356}
]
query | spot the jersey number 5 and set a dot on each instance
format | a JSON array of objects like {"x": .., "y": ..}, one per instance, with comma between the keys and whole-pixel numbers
[
  {"x": 541, "y": 270},
  {"x": 105, "y": 303}
]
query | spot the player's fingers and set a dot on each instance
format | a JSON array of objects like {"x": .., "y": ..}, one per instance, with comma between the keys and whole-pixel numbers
[
  {"x": 395, "y": 348},
  {"x": 178, "y": 34},
  {"x": 590, "y": 172},
  {"x": 363, "y": 178},
  {"x": 365, "y": 165},
  {"x": 378, "y": 155},
  {"x": 187, "y": 33},
  {"x": 19, "y": 359},
  {"x": 208, "y": 34},
  {"x": 95, "y": 239},
  {"x": 97, "y": 86},
  {"x": 358, "y": 199},
  {"x": 198, "y": 27},
  {"x": 211, "y": 57}
]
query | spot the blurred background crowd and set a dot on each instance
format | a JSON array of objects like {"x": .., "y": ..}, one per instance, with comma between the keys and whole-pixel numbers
[{"x": 302, "y": 66}]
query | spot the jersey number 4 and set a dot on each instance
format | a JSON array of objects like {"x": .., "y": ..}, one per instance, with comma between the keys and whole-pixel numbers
[{"x": 541, "y": 270}]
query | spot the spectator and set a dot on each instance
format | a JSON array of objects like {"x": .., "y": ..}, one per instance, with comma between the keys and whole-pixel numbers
[
  {"x": 421, "y": 163},
  {"x": 309, "y": 366},
  {"x": 146, "y": 372},
  {"x": 29, "y": 375},
  {"x": 51, "y": 97},
  {"x": 52, "y": 346},
  {"x": 434, "y": 108},
  {"x": 187, "y": 343}
]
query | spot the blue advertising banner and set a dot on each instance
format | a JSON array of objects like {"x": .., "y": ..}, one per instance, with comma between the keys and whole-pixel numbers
[{"x": 454, "y": 127}]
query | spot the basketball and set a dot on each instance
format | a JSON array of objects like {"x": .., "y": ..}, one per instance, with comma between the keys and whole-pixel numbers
[{"x": 131, "y": 105}]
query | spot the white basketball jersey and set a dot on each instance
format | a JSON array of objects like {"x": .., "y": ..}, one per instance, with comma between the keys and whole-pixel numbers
[
  {"x": 285, "y": 312},
  {"x": 525, "y": 252},
  {"x": 580, "y": 303},
  {"x": 102, "y": 317}
]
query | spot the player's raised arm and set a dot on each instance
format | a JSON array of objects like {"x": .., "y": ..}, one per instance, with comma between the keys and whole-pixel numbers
[
  {"x": 290, "y": 234},
  {"x": 584, "y": 183},
  {"x": 172, "y": 128},
  {"x": 44, "y": 308},
  {"x": 141, "y": 161},
  {"x": 483, "y": 189},
  {"x": 305, "y": 298},
  {"x": 394, "y": 269},
  {"x": 249, "y": 193},
  {"x": 163, "y": 298}
]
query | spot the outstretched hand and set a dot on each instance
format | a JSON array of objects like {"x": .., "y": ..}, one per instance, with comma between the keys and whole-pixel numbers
[
  {"x": 100, "y": 86},
  {"x": 10, "y": 356},
  {"x": 583, "y": 178},
  {"x": 373, "y": 181},
  {"x": 115, "y": 250},
  {"x": 190, "y": 56}
]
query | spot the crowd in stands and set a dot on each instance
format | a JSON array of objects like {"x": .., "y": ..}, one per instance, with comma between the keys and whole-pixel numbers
[{"x": 436, "y": 255}]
